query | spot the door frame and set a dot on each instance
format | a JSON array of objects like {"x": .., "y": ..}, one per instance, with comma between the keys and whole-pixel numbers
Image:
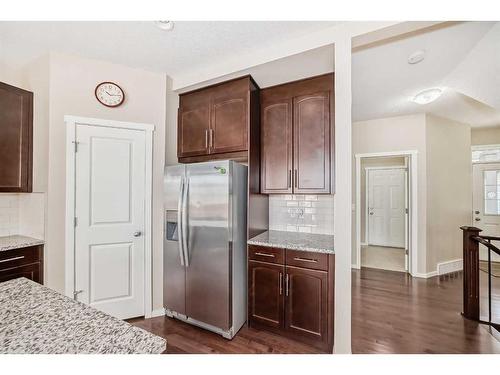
[
  {"x": 412, "y": 238},
  {"x": 368, "y": 169},
  {"x": 69, "y": 250}
]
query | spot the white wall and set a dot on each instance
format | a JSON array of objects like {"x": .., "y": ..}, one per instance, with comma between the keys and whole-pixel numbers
[
  {"x": 401, "y": 133},
  {"x": 485, "y": 136},
  {"x": 72, "y": 83},
  {"x": 449, "y": 188}
]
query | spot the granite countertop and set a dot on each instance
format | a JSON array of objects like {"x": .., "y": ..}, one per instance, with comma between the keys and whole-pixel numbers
[
  {"x": 17, "y": 242},
  {"x": 318, "y": 243},
  {"x": 35, "y": 319}
]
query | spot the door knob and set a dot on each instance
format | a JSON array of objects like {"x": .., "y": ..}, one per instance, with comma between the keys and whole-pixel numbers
[
  {"x": 138, "y": 233},
  {"x": 477, "y": 219},
  {"x": 371, "y": 213},
  {"x": 477, "y": 212}
]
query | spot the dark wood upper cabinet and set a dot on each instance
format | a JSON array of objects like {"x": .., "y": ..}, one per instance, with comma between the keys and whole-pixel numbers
[
  {"x": 266, "y": 298},
  {"x": 306, "y": 306},
  {"x": 193, "y": 125},
  {"x": 16, "y": 139},
  {"x": 311, "y": 158},
  {"x": 276, "y": 152},
  {"x": 214, "y": 122},
  {"x": 296, "y": 137},
  {"x": 230, "y": 114}
]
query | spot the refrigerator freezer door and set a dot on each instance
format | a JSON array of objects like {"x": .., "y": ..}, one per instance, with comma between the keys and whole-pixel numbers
[
  {"x": 208, "y": 276},
  {"x": 174, "y": 271}
]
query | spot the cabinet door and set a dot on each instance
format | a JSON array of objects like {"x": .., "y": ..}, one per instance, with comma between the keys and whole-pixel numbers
[
  {"x": 230, "y": 116},
  {"x": 312, "y": 143},
  {"x": 276, "y": 147},
  {"x": 16, "y": 139},
  {"x": 266, "y": 297},
  {"x": 193, "y": 124},
  {"x": 306, "y": 303}
]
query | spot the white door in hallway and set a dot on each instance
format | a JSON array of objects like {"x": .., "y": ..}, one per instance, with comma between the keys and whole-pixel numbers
[
  {"x": 386, "y": 207},
  {"x": 486, "y": 203},
  {"x": 110, "y": 218}
]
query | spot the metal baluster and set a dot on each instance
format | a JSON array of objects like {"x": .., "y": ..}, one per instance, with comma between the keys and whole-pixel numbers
[{"x": 489, "y": 283}]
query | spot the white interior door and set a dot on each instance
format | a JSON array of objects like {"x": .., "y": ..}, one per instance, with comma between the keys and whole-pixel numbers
[
  {"x": 486, "y": 202},
  {"x": 110, "y": 219},
  {"x": 386, "y": 207}
]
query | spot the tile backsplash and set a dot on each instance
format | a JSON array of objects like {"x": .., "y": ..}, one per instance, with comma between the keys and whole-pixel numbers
[
  {"x": 9, "y": 214},
  {"x": 22, "y": 214},
  {"x": 301, "y": 213}
]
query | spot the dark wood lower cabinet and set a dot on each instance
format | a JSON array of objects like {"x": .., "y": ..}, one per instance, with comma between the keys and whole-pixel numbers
[
  {"x": 306, "y": 307},
  {"x": 25, "y": 262},
  {"x": 296, "y": 301},
  {"x": 266, "y": 293}
]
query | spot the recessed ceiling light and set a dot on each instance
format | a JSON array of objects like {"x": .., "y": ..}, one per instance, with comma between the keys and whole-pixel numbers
[
  {"x": 416, "y": 57},
  {"x": 427, "y": 96},
  {"x": 165, "y": 25}
]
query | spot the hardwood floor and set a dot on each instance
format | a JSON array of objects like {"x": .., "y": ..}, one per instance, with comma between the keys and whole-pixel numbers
[
  {"x": 183, "y": 338},
  {"x": 394, "y": 313},
  {"x": 391, "y": 313}
]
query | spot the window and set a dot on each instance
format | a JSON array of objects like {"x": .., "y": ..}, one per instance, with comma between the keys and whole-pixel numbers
[
  {"x": 492, "y": 192},
  {"x": 485, "y": 154}
]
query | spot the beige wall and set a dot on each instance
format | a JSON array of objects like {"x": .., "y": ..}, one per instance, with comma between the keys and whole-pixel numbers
[
  {"x": 449, "y": 188},
  {"x": 485, "y": 136},
  {"x": 12, "y": 76},
  {"x": 444, "y": 177},
  {"x": 72, "y": 84},
  {"x": 171, "y": 125},
  {"x": 401, "y": 133},
  {"x": 373, "y": 162}
]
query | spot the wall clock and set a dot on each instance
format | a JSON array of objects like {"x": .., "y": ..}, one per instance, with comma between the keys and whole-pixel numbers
[{"x": 109, "y": 94}]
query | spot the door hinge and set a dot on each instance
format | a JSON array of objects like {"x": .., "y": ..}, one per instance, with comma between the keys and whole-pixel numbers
[
  {"x": 406, "y": 251},
  {"x": 406, "y": 210},
  {"x": 75, "y": 221},
  {"x": 76, "y": 145}
]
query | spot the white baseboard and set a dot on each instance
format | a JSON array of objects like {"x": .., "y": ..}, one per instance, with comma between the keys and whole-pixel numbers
[
  {"x": 158, "y": 312},
  {"x": 355, "y": 266},
  {"x": 425, "y": 275},
  {"x": 364, "y": 244},
  {"x": 449, "y": 266}
]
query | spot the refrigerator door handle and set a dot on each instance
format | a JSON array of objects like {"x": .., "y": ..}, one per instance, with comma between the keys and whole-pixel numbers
[
  {"x": 179, "y": 222},
  {"x": 185, "y": 226}
]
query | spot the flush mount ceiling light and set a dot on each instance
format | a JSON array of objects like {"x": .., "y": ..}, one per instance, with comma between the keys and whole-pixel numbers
[
  {"x": 427, "y": 96},
  {"x": 165, "y": 25},
  {"x": 416, "y": 57}
]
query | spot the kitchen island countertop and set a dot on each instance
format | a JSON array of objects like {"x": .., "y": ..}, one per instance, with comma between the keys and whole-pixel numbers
[
  {"x": 35, "y": 319},
  {"x": 319, "y": 243}
]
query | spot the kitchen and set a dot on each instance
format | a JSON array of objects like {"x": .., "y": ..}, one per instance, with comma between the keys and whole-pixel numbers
[{"x": 280, "y": 140}]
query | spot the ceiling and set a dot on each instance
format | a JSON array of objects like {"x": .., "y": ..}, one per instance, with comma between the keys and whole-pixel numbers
[
  {"x": 463, "y": 59},
  {"x": 188, "y": 47}
]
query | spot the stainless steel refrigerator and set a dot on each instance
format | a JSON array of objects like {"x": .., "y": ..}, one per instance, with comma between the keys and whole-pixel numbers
[{"x": 204, "y": 280}]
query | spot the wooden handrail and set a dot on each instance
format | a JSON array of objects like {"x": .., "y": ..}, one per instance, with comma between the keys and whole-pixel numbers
[
  {"x": 485, "y": 241},
  {"x": 491, "y": 238}
]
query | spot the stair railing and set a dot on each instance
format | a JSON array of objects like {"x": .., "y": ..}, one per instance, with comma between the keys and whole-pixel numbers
[{"x": 471, "y": 241}]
